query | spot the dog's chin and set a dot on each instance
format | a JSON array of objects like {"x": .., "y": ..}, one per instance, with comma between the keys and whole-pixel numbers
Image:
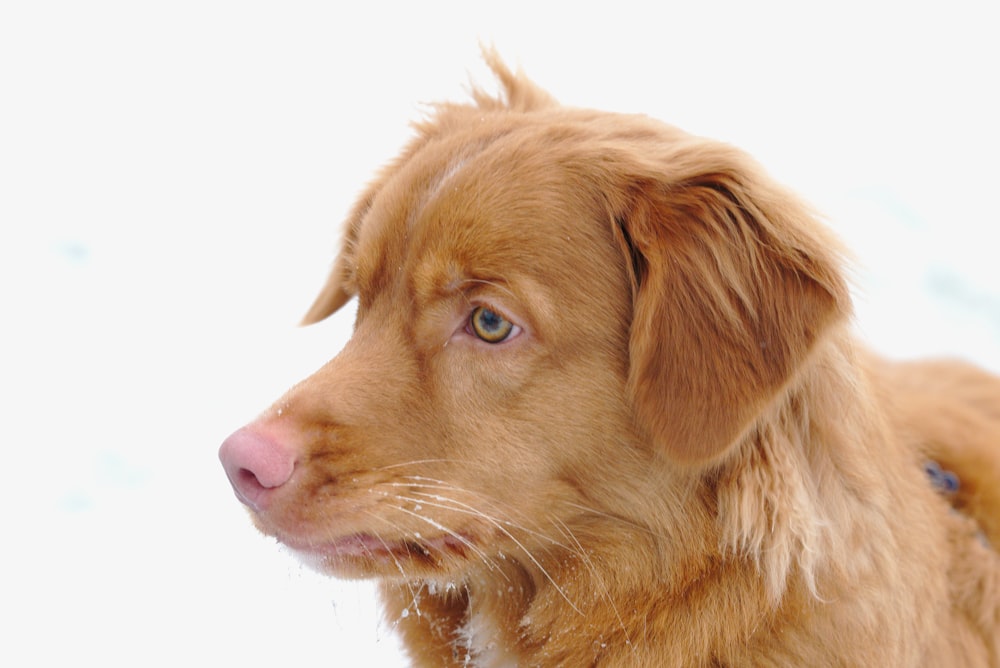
[{"x": 366, "y": 556}]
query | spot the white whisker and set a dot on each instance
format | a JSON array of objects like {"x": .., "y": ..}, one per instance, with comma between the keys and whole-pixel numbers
[
  {"x": 566, "y": 531},
  {"x": 415, "y": 462},
  {"x": 493, "y": 284},
  {"x": 440, "y": 527},
  {"x": 469, "y": 510},
  {"x": 524, "y": 549},
  {"x": 443, "y": 485},
  {"x": 413, "y": 594},
  {"x": 542, "y": 569},
  {"x": 615, "y": 518}
]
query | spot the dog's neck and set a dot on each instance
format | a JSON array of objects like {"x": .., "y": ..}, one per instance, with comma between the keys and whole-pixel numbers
[{"x": 766, "y": 560}]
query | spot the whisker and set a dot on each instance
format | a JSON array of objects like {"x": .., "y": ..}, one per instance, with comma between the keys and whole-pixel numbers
[
  {"x": 496, "y": 523},
  {"x": 443, "y": 485},
  {"x": 535, "y": 561},
  {"x": 417, "y": 461},
  {"x": 492, "y": 565},
  {"x": 475, "y": 512},
  {"x": 414, "y": 595},
  {"x": 406, "y": 544},
  {"x": 606, "y": 595},
  {"x": 406, "y": 583},
  {"x": 526, "y": 551},
  {"x": 493, "y": 284},
  {"x": 620, "y": 520}
]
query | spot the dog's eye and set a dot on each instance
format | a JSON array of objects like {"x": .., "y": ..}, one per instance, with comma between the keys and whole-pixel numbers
[{"x": 489, "y": 325}]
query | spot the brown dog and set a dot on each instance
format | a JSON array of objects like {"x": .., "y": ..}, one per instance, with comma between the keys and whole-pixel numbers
[{"x": 602, "y": 407}]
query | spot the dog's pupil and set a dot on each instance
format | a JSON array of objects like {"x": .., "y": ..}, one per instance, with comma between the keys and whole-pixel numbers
[{"x": 489, "y": 320}]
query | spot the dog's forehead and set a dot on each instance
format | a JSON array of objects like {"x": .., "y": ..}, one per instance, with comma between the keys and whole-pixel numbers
[{"x": 476, "y": 204}]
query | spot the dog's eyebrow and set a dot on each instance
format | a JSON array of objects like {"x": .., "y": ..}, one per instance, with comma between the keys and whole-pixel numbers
[
  {"x": 471, "y": 283},
  {"x": 464, "y": 286}
]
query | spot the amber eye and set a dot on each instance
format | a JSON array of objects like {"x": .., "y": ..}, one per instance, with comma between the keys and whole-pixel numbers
[{"x": 489, "y": 325}]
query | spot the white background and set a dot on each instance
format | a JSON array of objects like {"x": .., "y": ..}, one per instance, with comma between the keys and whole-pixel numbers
[{"x": 172, "y": 180}]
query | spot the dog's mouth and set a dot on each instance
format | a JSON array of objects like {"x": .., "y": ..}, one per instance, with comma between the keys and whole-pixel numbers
[{"x": 366, "y": 555}]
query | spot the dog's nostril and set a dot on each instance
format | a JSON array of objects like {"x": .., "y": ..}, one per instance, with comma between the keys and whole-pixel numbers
[{"x": 246, "y": 478}]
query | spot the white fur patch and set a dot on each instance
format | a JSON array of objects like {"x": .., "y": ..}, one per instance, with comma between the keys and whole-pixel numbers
[{"x": 478, "y": 640}]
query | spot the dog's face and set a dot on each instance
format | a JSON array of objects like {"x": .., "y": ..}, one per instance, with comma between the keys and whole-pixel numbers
[
  {"x": 486, "y": 365},
  {"x": 558, "y": 310}
]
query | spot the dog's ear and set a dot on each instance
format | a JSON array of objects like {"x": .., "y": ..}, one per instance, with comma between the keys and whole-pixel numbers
[
  {"x": 734, "y": 284},
  {"x": 331, "y": 297},
  {"x": 335, "y": 292}
]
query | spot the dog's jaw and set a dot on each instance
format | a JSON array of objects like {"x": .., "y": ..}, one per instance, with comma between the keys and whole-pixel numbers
[{"x": 368, "y": 555}]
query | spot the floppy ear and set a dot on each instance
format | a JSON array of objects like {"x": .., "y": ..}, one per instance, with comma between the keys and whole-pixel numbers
[
  {"x": 335, "y": 292},
  {"x": 331, "y": 297},
  {"x": 735, "y": 283}
]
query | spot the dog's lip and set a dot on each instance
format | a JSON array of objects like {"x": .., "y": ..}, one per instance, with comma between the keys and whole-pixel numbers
[
  {"x": 354, "y": 545},
  {"x": 369, "y": 547}
]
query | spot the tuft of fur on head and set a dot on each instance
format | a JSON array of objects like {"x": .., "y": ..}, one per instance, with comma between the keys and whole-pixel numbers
[{"x": 519, "y": 92}]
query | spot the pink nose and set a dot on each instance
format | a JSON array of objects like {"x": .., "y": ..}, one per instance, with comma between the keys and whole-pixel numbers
[{"x": 256, "y": 465}]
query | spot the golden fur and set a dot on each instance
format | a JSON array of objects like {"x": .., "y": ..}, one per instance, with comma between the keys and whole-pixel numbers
[{"x": 679, "y": 457}]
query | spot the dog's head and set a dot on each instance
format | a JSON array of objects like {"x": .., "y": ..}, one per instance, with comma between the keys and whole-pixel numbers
[{"x": 554, "y": 305}]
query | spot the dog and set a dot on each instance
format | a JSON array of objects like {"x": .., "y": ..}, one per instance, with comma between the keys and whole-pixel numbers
[{"x": 602, "y": 406}]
